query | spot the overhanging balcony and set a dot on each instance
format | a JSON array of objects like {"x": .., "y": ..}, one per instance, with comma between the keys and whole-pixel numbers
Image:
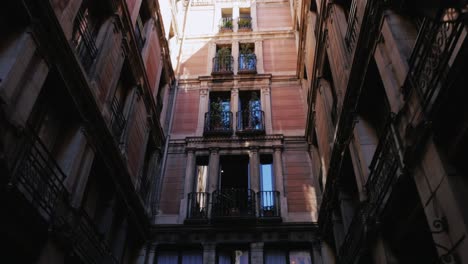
[
  {"x": 218, "y": 123},
  {"x": 233, "y": 203},
  {"x": 250, "y": 122},
  {"x": 197, "y": 206},
  {"x": 247, "y": 63},
  {"x": 222, "y": 65},
  {"x": 38, "y": 177},
  {"x": 245, "y": 24}
]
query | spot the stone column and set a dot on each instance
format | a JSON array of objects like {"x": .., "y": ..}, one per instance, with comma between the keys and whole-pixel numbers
[
  {"x": 327, "y": 254},
  {"x": 213, "y": 172},
  {"x": 151, "y": 254},
  {"x": 279, "y": 180},
  {"x": 235, "y": 16},
  {"x": 234, "y": 107},
  {"x": 266, "y": 106},
  {"x": 209, "y": 253},
  {"x": 258, "y": 52},
  {"x": 254, "y": 163},
  {"x": 317, "y": 252},
  {"x": 188, "y": 183},
  {"x": 256, "y": 251},
  {"x": 235, "y": 55},
  {"x": 202, "y": 109}
]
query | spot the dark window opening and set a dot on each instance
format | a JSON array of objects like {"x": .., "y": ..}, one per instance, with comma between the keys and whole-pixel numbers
[
  {"x": 142, "y": 18},
  {"x": 233, "y": 254}
]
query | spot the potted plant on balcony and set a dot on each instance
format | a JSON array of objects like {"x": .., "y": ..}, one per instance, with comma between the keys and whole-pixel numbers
[
  {"x": 226, "y": 25},
  {"x": 223, "y": 60},
  {"x": 216, "y": 111},
  {"x": 245, "y": 24}
]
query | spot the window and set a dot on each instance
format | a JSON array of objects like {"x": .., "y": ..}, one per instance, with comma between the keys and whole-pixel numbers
[
  {"x": 288, "y": 256},
  {"x": 225, "y": 24},
  {"x": 250, "y": 118},
  {"x": 190, "y": 256},
  {"x": 198, "y": 199},
  {"x": 222, "y": 62},
  {"x": 268, "y": 197},
  {"x": 245, "y": 21},
  {"x": 247, "y": 58},
  {"x": 143, "y": 17},
  {"x": 86, "y": 26},
  {"x": 218, "y": 119}
]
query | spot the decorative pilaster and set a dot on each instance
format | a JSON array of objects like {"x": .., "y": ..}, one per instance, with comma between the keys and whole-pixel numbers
[
  {"x": 202, "y": 109},
  {"x": 254, "y": 169},
  {"x": 213, "y": 170},
  {"x": 234, "y": 107},
  {"x": 258, "y": 50},
  {"x": 188, "y": 183},
  {"x": 266, "y": 105},
  {"x": 209, "y": 253},
  {"x": 256, "y": 250}
]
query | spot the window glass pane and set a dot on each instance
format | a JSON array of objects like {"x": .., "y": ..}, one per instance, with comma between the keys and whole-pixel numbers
[
  {"x": 242, "y": 256},
  {"x": 267, "y": 177},
  {"x": 224, "y": 258},
  {"x": 299, "y": 257},
  {"x": 275, "y": 257},
  {"x": 167, "y": 257},
  {"x": 192, "y": 257}
]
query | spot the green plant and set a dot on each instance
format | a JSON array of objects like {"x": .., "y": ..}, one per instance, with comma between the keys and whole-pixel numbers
[
  {"x": 244, "y": 23},
  {"x": 226, "y": 24}
]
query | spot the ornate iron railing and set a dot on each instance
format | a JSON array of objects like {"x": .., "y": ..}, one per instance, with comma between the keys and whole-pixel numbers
[
  {"x": 355, "y": 238},
  {"x": 38, "y": 176},
  {"x": 83, "y": 39},
  {"x": 197, "y": 207},
  {"x": 233, "y": 203},
  {"x": 250, "y": 121},
  {"x": 140, "y": 33},
  {"x": 222, "y": 64},
  {"x": 245, "y": 23},
  {"x": 429, "y": 62},
  {"x": 225, "y": 24},
  {"x": 218, "y": 122},
  {"x": 88, "y": 244},
  {"x": 269, "y": 204},
  {"x": 117, "y": 119},
  {"x": 247, "y": 63},
  {"x": 385, "y": 167},
  {"x": 352, "y": 29}
]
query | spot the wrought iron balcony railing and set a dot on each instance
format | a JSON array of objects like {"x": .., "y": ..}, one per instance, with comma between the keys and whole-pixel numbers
[
  {"x": 197, "y": 208},
  {"x": 222, "y": 65},
  {"x": 218, "y": 123},
  {"x": 225, "y": 24},
  {"x": 429, "y": 62},
  {"x": 38, "y": 176},
  {"x": 247, "y": 63},
  {"x": 269, "y": 204},
  {"x": 140, "y": 33},
  {"x": 89, "y": 245},
  {"x": 83, "y": 39},
  {"x": 233, "y": 203},
  {"x": 250, "y": 122},
  {"x": 352, "y": 29},
  {"x": 386, "y": 166},
  {"x": 117, "y": 119},
  {"x": 244, "y": 23}
]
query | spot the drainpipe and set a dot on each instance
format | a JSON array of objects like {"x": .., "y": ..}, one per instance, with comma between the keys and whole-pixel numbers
[{"x": 171, "y": 114}]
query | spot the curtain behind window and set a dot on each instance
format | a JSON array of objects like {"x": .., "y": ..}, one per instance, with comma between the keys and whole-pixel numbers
[
  {"x": 167, "y": 257},
  {"x": 192, "y": 257}
]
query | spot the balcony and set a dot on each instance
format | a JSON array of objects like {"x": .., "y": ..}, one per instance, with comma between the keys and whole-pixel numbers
[
  {"x": 222, "y": 65},
  {"x": 250, "y": 122},
  {"x": 83, "y": 39},
  {"x": 75, "y": 228},
  {"x": 244, "y": 24},
  {"x": 233, "y": 203},
  {"x": 247, "y": 63},
  {"x": 218, "y": 123},
  {"x": 429, "y": 63},
  {"x": 225, "y": 24},
  {"x": 38, "y": 177},
  {"x": 197, "y": 208},
  {"x": 117, "y": 119},
  {"x": 269, "y": 205}
]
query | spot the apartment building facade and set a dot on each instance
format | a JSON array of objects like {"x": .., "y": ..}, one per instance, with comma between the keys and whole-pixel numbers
[
  {"x": 83, "y": 86},
  {"x": 385, "y": 78},
  {"x": 237, "y": 186}
]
